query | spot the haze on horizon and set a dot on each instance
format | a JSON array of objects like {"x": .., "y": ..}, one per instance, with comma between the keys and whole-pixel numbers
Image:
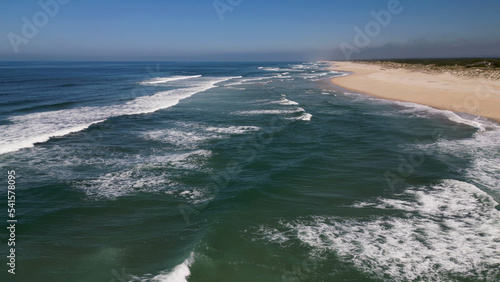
[{"x": 247, "y": 30}]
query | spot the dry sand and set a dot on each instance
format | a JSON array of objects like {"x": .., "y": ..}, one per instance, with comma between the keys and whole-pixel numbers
[{"x": 476, "y": 96}]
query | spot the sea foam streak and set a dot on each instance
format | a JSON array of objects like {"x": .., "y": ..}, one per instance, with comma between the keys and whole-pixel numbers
[
  {"x": 148, "y": 175},
  {"x": 425, "y": 111},
  {"x": 269, "y": 112},
  {"x": 161, "y": 80},
  {"x": 451, "y": 228},
  {"x": 233, "y": 129},
  {"x": 181, "y": 138},
  {"x": 190, "y": 135},
  {"x": 152, "y": 174},
  {"x": 248, "y": 80},
  {"x": 481, "y": 148},
  {"x": 29, "y": 129}
]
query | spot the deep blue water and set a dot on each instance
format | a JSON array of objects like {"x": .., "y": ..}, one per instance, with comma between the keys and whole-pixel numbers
[{"x": 240, "y": 172}]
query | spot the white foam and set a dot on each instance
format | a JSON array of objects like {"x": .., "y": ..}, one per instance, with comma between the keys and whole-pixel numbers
[
  {"x": 162, "y": 80},
  {"x": 284, "y": 101},
  {"x": 29, "y": 129},
  {"x": 180, "y": 273},
  {"x": 255, "y": 79},
  {"x": 451, "y": 228},
  {"x": 233, "y": 129},
  {"x": 248, "y": 80},
  {"x": 141, "y": 175},
  {"x": 423, "y": 111},
  {"x": 482, "y": 149},
  {"x": 339, "y": 74},
  {"x": 11, "y": 145},
  {"x": 186, "y": 138},
  {"x": 426, "y": 111},
  {"x": 192, "y": 160},
  {"x": 456, "y": 118},
  {"x": 318, "y": 75},
  {"x": 269, "y": 112},
  {"x": 273, "y": 235},
  {"x": 122, "y": 183},
  {"x": 289, "y": 70},
  {"x": 269, "y": 69},
  {"x": 305, "y": 117},
  {"x": 192, "y": 135}
]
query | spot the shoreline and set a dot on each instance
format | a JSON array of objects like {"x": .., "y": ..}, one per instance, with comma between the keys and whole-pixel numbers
[{"x": 477, "y": 96}]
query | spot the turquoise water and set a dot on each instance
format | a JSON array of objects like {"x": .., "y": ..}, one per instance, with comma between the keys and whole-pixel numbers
[{"x": 240, "y": 172}]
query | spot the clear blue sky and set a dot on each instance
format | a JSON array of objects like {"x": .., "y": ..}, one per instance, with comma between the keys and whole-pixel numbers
[{"x": 250, "y": 30}]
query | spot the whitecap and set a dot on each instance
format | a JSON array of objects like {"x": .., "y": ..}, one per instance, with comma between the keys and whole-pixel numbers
[
  {"x": 426, "y": 111},
  {"x": 305, "y": 117},
  {"x": 269, "y": 69},
  {"x": 181, "y": 138},
  {"x": 143, "y": 176},
  {"x": 180, "y": 273},
  {"x": 163, "y": 80},
  {"x": 482, "y": 149},
  {"x": 284, "y": 101},
  {"x": 269, "y": 112},
  {"x": 233, "y": 129}
]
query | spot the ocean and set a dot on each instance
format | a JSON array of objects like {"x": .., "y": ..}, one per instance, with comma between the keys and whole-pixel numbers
[{"x": 239, "y": 172}]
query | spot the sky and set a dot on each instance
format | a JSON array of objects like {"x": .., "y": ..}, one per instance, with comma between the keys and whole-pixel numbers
[{"x": 247, "y": 30}]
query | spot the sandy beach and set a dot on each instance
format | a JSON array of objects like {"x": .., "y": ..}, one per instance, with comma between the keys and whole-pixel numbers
[{"x": 474, "y": 95}]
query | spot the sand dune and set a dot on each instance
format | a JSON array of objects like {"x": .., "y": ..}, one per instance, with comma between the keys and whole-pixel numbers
[{"x": 477, "y": 96}]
